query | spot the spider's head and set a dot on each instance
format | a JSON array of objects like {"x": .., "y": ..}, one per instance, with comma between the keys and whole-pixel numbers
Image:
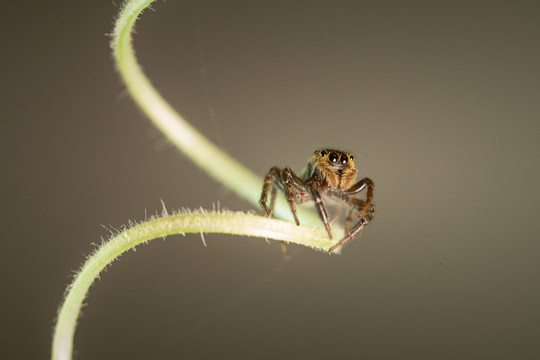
[{"x": 335, "y": 167}]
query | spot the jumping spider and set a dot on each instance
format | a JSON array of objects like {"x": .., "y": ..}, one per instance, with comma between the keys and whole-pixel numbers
[{"x": 328, "y": 172}]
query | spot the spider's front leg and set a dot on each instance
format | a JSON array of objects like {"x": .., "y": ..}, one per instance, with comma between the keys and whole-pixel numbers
[{"x": 313, "y": 185}]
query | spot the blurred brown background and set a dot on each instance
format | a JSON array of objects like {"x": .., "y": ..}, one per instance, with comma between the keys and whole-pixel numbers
[{"x": 438, "y": 100}]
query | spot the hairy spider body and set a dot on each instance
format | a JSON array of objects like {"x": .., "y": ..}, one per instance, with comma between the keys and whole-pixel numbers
[{"x": 328, "y": 172}]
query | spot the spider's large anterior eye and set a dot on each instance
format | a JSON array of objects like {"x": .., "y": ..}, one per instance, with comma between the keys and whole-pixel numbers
[
  {"x": 333, "y": 157},
  {"x": 344, "y": 159}
]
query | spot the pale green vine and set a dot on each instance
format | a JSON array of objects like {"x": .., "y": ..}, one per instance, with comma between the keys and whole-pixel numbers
[
  {"x": 236, "y": 223},
  {"x": 222, "y": 167},
  {"x": 193, "y": 144}
]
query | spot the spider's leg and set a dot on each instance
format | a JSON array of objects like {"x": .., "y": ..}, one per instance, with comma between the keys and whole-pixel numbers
[
  {"x": 365, "y": 209},
  {"x": 313, "y": 188},
  {"x": 348, "y": 221},
  {"x": 268, "y": 182},
  {"x": 357, "y": 205},
  {"x": 272, "y": 200},
  {"x": 273, "y": 175},
  {"x": 356, "y": 188},
  {"x": 356, "y": 229},
  {"x": 295, "y": 191},
  {"x": 288, "y": 178},
  {"x": 359, "y": 186}
]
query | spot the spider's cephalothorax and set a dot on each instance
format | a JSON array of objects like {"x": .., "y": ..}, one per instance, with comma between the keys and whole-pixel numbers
[
  {"x": 328, "y": 172},
  {"x": 335, "y": 168}
]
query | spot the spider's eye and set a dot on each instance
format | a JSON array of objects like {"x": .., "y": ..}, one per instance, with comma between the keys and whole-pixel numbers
[
  {"x": 351, "y": 157},
  {"x": 344, "y": 159},
  {"x": 333, "y": 157},
  {"x": 323, "y": 153}
]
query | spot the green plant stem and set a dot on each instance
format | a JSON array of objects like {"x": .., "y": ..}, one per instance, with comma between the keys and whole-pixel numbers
[
  {"x": 193, "y": 144},
  {"x": 206, "y": 155},
  {"x": 236, "y": 223}
]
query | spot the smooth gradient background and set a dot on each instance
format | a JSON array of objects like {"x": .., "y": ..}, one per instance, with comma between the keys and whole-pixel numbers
[{"x": 440, "y": 101}]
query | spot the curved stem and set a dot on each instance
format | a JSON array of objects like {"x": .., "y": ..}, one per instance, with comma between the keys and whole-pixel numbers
[
  {"x": 193, "y": 144},
  {"x": 188, "y": 222},
  {"x": 222, "y": 167}
]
